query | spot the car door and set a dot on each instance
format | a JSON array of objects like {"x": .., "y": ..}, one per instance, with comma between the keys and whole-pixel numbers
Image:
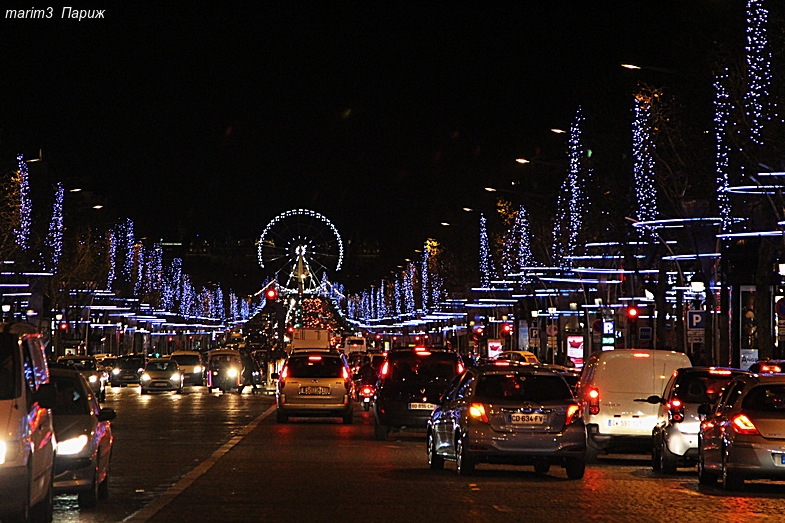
[
  {"x": 713, "y": 427},
  {"x": 441, "y": 423}
]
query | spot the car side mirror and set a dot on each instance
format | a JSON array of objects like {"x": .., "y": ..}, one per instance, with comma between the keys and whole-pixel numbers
[
  {"x": 46, "y": 396},
  {"x": 704, "y": 409},
  {"x": 655, "y": 400},
  {"x": 106, "y": 414}
]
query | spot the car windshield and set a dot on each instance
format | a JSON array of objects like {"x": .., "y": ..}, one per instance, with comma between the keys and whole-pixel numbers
[
  {"x": 522, "y": 387},
  {"x": 130, "y": 363},
  {"x": 70, "y": 399},
  {"x": 700, "y": 387},
  {"x": 162, "y": 365},
  {"x": 423, "y": 368},
  {"x": 314, "y": 367},
  {"x": 9, "y": 368},
  {"x": 186, "y": 359},
  {"x": 766, "y": 398},
  {"x": 80, "y": 363},
  {"x": 222, "y": 360}
]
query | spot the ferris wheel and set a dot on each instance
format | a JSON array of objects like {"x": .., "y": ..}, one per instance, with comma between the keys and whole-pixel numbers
[{"x": 299, "y": 246}]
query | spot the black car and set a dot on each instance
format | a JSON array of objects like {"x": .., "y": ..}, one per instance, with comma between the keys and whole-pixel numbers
[
  {"x": 127, "y": 370},
  {"x": 410, "y": 384}
]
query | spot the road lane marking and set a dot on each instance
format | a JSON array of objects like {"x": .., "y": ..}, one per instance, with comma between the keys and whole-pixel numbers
[{"x": 152, "y": 508}]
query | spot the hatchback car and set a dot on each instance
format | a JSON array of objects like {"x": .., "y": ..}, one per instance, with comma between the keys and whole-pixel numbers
[
  {"x": 410, "y": 384},
  {"x": 510, "y": 414},
  {"x": 768, "y": 367},
  {"x": 160, "y": 375},
  {"x": 315, "y": 384},
  {"x": 675, "y": 436},
  {"x": 191, "y": 366},
  {"x": 91, "y": 369},
  {"x": 743, "y": 436},
  {"x": 127, "y": 370},
  {"x": 84, "y": 439},
  {"x": 518, "y": 356}
]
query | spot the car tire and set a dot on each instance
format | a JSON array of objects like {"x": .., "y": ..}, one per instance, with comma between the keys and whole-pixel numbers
[
  {"x": 656, "y": 465},
  {"x": 591, "y": 452},
  {"x": 705, "y": 477},
  {"x": 465, "y": 462},
  {"x": 668, "y": 460},
  {"x": 730, "y": 480},
  {"x": 281, "y": 417},
  {"x": 435, "y": 461},
  {"x": 89, "y": 498},
  {"x": 366, "y": 406},
  {"x": 542, "y": 467},
  {"x": 179, "y": 391},
  {"x": 144, "y": 391},
  {"x": 575, "y": 467},
  {"x": 380, "y": 432}
]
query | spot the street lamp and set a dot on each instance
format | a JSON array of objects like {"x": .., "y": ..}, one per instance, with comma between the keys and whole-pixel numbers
[{"x": 6, "y": 309}]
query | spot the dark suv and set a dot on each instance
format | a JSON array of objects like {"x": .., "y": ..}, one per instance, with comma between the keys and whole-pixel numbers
[
  {"x": 127, "y": 369},
  {"x": 410, "y": 383}
]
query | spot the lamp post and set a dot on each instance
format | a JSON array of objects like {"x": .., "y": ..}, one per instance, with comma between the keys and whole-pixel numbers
[{"x": 6, "y": 307}]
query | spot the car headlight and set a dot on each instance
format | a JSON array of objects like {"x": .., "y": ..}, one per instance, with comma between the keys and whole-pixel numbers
[
  {"x": 71, "y": 446},
  {"x": 93, "y": 378},
  {"x": 10, "y": 452},
  {"x": 145, "y": 377},
  {"x": 232, "y": 372},
  {"x": 175, "y": 376},
  {"x": 198, "y": 368},
  {"x": 115, "y": 371}
]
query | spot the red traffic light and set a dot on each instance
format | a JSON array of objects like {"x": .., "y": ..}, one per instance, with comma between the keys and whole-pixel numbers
[
  {"x": 271, "y": 294},
  {"x": 506, "y": 328},
  {"x": 632, "y": 312},
  {"x": 63, "y": 326}
]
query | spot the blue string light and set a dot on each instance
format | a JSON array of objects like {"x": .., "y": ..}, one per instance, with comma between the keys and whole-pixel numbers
[
  {"x": 722, "y": 111},
  {"x": 25, "y": 205},
  {"x": 643, "y": 162},
  {"x": 54, "y": 238},
  {"x": 758, "y": 69},
  {"x": 487, "y": 269}
]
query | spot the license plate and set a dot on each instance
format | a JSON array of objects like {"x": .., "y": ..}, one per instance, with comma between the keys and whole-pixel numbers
[
  {"x": 321, "y": 391},
  {"x": 526, "y": 419},
  {"x": 366, "y": 400},
  {"x": 624, "y": 423},
  {"x": 421, "y": 406}
]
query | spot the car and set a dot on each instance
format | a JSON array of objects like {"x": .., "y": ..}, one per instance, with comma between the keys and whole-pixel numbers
[
  {"x": 521, "y": 356},
  {"x": 27, "y": 440},
  {"x": 613, "y": 391},
  {"x": 411, "y": 381},
  {"x": 191, "y": 366},
  {"x": 91, "y": 370},
  {"x": 314, "y": 383},
  {"x": 767, "y": 366},
  {"x": 161, "y": 375},
  {"x": 84, "y": 439},
  {"x": 743, "y": 435},
  {"x": 127, "y": 370},
  {"x": 675, "y": 435},
  {"x": 225, "y": 370},
  {"x": 508, "y": 414}
]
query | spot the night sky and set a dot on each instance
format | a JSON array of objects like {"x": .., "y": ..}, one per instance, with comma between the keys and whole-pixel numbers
[{"x": 386, "y": 118}]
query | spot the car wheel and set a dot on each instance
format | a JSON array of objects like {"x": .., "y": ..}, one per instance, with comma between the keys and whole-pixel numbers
[
  {"x": 656, "y": 465},
  {"x": 380, "y": 432},
  {"x": 89, "y": 498},
  {"x": 542, "y": 467},
  {"x": 103, "y": 487},
  {"x": 730, "y": 480},
  {"x": 180, "y": 390},
  {"x": 591, "y": 452},
  {"x": 668, "y": 460},
  {"x": 435, "y": 461},
  {"x": 575, "y": 467},
  {"x": 281, "y": 417},
  {"x": 705, "y": 477},
  {"x": 144, "y": 391},
  {"x": 366, "y": 406},
  {"x": 464, "y": 461}
]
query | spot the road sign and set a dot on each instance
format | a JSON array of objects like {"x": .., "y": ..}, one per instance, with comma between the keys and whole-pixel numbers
[
  {"x": 696, "y": 320},
  {"x": 552, "y": 329},
  {"x": 780, "y": 308},
  {"x": 596, "y": 326},
  {"x": 534, "y": 333},
  {"x": 644, "y": 334}
]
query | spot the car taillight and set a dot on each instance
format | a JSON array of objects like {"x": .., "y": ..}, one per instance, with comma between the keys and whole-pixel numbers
[
  {"x": 573, "y": 414},
  {"x": 676, "y": 409},
  {"x": 477, "y": 411},
  {"x": 385, "y": 368},
  {"x": 460, "y": 367},
  {"x": 594, "y": 401},
  {"x": 743, "y": 425},
  {"x": 774, "y": 369},
  {"x": 367, "y": 390}
]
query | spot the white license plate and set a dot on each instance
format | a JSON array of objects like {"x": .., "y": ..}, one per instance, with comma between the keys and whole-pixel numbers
[
  {"x": 624, "y": 423},
  {"x": 526, "y": 419},
  {"x": 421, "y": 406},
  {"x": 366, "y": 400},
  {"x": 320, "y": 391}
]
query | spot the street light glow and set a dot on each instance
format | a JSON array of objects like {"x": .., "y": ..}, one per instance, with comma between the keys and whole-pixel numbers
[
  {"x": 630, "y": 66},
  {"x": 522, "y": 160},
  {"x": 490, "y": 189}
]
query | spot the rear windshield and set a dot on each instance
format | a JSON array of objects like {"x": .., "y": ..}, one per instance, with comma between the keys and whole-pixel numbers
[
  {"x": 70, "y": 398},
  {"x": 186, "y": 359},
  {"x": 315, "y": 366},
  {"x": 522, "y": 387},
  {"x": 422, "y": 367},
  {"x": 79, "y": 363},
  {"x": 765, "y": 398},
  {"x": 700, "y": 387}
]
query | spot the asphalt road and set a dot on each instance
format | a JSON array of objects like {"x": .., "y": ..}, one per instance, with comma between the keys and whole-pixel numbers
[{"x": 222, "y": 458}]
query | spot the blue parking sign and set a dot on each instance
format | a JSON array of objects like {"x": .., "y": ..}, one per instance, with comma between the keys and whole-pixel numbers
[{"x": 696, "y": 319}]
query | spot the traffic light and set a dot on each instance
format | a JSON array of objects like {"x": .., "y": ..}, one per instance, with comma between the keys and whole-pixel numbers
[
  {"x": 506, "y": 329},
  {"x": 63, "y": 326},
  {"x": 632, "y": 313},
  {"x": 271, "y": 294}
]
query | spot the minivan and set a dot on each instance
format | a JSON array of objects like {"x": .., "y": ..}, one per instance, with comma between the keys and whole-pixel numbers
[
  {"x": 27, "y": 442},
  {"x": 613, "y": 391}
]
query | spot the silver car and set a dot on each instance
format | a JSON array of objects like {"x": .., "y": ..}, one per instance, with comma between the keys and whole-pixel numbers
[
  {"x": 675, "y": 436},
  {"x": 84, "y": 439},
  {"x": 508, "y": 413},
  {"x": 161, "y": 375},
  {"x": 743, "y": 436},
  {"x": 315, "y": 383}
]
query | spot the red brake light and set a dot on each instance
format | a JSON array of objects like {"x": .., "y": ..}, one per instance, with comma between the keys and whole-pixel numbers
[
  {"x": 477, "y": 411},
  {"x": 314, "y": 358},
  {"x": 676, "y": 409},
  {"x": 641, "y": 355},
  {"x": 385, "y": 368},
  {"x": 345, "y": 373},
  {"x": 770, "y": 368},
  {"x": 367, "y": 390},
  {"x": 743, "y": 425},
  {"x": 573, "y": 414},
  {"x": 460, "y": 367},
  {"x": 720, "y": 372},
  {"x": 594, "y": 401}
]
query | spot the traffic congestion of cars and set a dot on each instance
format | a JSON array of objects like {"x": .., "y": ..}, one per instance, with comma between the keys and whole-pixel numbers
[{"x": 729, "y": 424}]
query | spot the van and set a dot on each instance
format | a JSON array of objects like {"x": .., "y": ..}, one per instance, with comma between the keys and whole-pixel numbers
[
  {"x": 354, "y": 344},
  {"x": 613, "y": 391},
  {"x": 27, "y": 442}
]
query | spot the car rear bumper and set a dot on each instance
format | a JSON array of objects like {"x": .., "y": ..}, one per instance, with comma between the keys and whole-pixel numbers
[
  {"x": 485, "y": 443},
  {"x": 757, "y": 460},
  {"x": 398, "y": 415}
]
